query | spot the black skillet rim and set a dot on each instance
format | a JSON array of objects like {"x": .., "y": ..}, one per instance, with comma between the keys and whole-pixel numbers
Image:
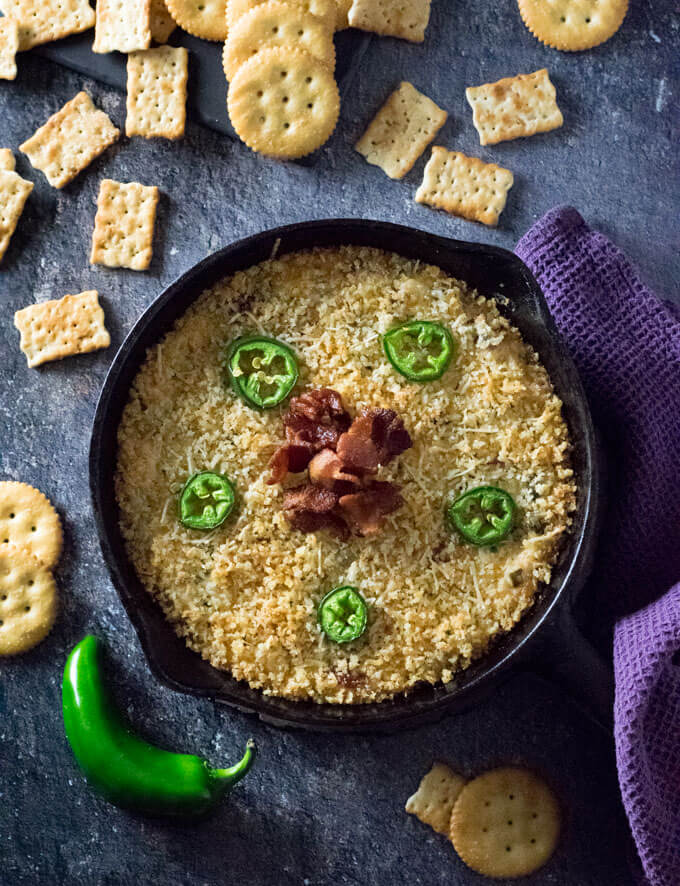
[{"x": 423, "y": 704}]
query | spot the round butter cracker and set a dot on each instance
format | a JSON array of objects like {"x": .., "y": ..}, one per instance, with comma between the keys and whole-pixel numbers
[
  {"x": 573, "y": 25},
  {"x": 28, "y": 519},
  {"x": 276, "y": 24},
  {"x": 505, "y": 823},
  {"x": 28, "y": 600},
  {"x": 323, "y": 9},
  {"x": 283, "y": 103},
  {"x": 202, "y": 18}
]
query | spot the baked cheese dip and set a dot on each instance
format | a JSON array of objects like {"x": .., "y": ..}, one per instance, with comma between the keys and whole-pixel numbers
[{"x": 343, "y": 473}]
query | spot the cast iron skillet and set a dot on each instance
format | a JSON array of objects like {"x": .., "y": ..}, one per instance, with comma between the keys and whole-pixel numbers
[{"x": 494, "y": 272}]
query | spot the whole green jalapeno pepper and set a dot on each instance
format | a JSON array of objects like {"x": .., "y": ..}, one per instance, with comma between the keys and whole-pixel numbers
[
  {"x": 261, "y": 370},
  {"x": 343, "y": 614},
  {"x": 420, "y": 350},
  {"x": 121, "y": 766},
  {"x": 484, "y": 515},
  {"x": 206, "y": 500}
]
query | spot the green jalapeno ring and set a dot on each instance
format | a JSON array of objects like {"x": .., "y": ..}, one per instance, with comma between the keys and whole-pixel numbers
[
  {"x": 343, "y": 614},
  {"x": 206, "y": 500},
  {"x": 484, "y": 515},
  {"x": 261, "y": 352},
  {"x": 408, "y": 348}
]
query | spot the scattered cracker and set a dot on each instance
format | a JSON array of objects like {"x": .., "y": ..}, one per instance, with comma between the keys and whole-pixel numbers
[
  {"x": 401, "y": 130},
  {"x": 123, "y": 225},
  {"x": 14, "y": 191},
  {"x": 28, "y": 600},
  {"x": 7, "y": 162},
  {"x": 284, "y": 102},
  {"x": 59, "y": 328},
  {"x": 122, "y": 26},
  {"x": 407, "y": 19},
  {"x": 276, "y": 24},
  {"x": 9, "y": 46},
  {"x": 161, "y": 22},
  {"x": 573, "y": 25},
  {"x": 505, "y": 823},
  {"x": 202, "y": 18},
  {"x": 514, "y": 107},
  {"x": 157, "y": 92},
  {"x": 28, "y": 520},
  {"x": 433, "y": 801},
  {"x": 323, "y": 9},
  {"x": 70, "y": 140},
  {"x": 41, "y": 21},
  {"x": 342, "y": 14},
  {"x": 465, "y": 186}
]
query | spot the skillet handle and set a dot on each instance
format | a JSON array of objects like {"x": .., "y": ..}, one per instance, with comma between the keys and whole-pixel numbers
[{"x": 564, "y": 656}]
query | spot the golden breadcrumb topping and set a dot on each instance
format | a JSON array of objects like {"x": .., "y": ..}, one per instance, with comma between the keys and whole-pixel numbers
[{"x": 245, "y": 595}]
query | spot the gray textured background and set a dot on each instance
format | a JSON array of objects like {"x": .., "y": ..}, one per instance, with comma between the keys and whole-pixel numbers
[{"x": 316, "y": 810}]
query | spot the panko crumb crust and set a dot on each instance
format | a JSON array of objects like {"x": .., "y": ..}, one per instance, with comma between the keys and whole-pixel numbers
[{"x": 245, "y": 595}]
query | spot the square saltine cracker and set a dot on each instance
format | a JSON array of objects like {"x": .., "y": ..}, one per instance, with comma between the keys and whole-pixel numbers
[
  {"x": 123, "y": 225},
  {"x": 401, "y": 130},
  {"x": 465, "y": 186},
  {"x": 514, "y": 107},
  {"x": 157, "y": 92},
  {"x": 70, "y": 140}
]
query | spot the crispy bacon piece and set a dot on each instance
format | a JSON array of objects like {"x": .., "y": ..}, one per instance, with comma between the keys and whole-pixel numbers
[
  {"x": 310, "y": 508},
  {"x": 291, "y": 458},
  {"x": 327, "y": 470},
  {"x": 314, "y": 421},
  {"x": 374, "y": 438},
  {"x": 323, "y": 406},
  {"x": 341, "y": 455},
  {"x": 365, "y": 511}
]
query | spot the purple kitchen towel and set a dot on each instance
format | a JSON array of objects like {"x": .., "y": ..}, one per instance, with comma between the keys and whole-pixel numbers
[{"x": 626, "y": 345}]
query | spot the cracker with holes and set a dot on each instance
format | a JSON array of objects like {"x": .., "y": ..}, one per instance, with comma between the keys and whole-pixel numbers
[
  {"x": 514, "y": 107},
  {"x": 28, "y": 600},
  {"x": 276, "y": 24},
  {"x": 28, "y": 520},
  {"x": 123, "y": 225},
  {"x": 42, "y": 21},
  {"x": 407, "y": 19},
  {"x": 7, "y": 161},
  {"x": 323, "y": 9},
  {"x": 9, "y": 46},
  {"x": 505, "y": 823},
  {"x": 433, "y": 802},
  {"x": 70, "y": 140},
  {"x": 14, "y": 191},
  {"x": 162, "y": 24},
  {"x": 202, "y": 18},
  {"x": 157, "y": 92},
  {"x": 284, "y": 102},
  {"x": 61, "y": 328},
  {"x": 401, "y": 130},
  {"x": 465, "y": 186},
  {"x": 573, "y": 25},
  {"x": 122, "y": 26}
]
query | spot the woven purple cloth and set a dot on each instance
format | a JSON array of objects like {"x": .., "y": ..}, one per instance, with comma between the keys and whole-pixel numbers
[{"x": 626, "y": 345}]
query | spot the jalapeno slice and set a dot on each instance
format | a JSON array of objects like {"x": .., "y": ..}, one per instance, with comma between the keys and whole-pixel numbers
[
  {"x": 206, "y": 500},
  {"x": 420, "y": 350},
  {"x": 262, "y": 371},
  {"x": 342, "y": 614},
  {"x": 483, "y": 515}
]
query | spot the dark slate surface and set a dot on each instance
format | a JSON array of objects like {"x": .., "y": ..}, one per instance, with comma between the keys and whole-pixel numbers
[{"x": 317, "y": 810}]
